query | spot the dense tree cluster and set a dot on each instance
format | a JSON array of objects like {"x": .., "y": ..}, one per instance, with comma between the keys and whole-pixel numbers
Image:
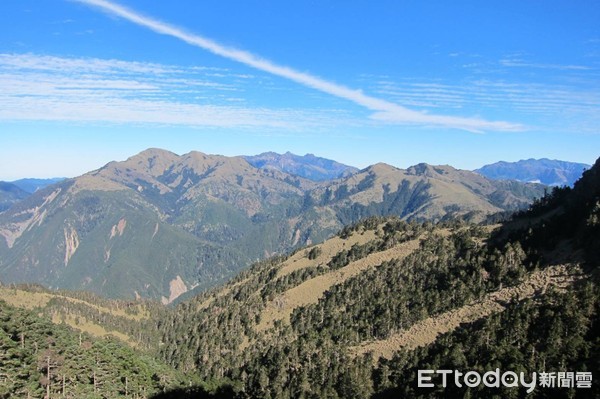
[
  {"x": 444, "y": 273},
  {"x": 309, "y": 357},
  {"x": 135, "y": 319},
  {"x": 559, "y": 332},
  {"x": 42, "y": 359}
]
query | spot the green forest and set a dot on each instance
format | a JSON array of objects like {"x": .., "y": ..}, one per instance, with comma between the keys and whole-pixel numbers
[{"x": 238, "y": 341}]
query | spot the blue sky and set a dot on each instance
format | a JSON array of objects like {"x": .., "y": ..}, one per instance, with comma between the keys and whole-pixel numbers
[{"x": 464, "y": 83}]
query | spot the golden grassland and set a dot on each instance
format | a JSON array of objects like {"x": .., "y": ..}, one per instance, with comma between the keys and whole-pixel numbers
[
  {"x": 31, "y": 300},
  {"x": 84, "y": 325},
  {"x": 328, "y": 250}
]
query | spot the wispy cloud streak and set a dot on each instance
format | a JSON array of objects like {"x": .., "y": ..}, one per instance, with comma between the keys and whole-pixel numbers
[
  {"x": 46, "y": 88},
  {"x": 522, "y": 64},
  {"x": 552, "y": 106},
  {"x": 383, "y": 110}
]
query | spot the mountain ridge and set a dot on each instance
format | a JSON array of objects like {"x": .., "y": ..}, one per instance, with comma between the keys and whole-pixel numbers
[
  {"x": 551, "y": 172},
  {"x": 160, "y": 224},
  {"x": 308, "y": 166},
  {"x": 10, "y": 194}
]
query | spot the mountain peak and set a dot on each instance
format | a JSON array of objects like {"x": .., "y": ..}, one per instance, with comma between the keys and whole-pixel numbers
[
  {"x": 381, "y": 168},
  {"x": 196, "y": 154},
  {"x": 544, "y": 170},
  {"x": 194, "y": 159},
  {"x": 154, "y": 152},
  {"x": 424, "y": 169},
  {"x": 308, "y": 166},
  {"x": 153, "y": 162}
]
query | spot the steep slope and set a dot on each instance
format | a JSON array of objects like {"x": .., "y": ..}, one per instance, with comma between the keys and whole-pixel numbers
[
  {"x": 159, "y": 225},
  {"x": 307, "y": 166},
  {"x": 216, "y": 198},
  {"x": 13, "y": 192},
  {"x": 10, "y": 194},
  {"x": 405, "y": 297},
  {"x": 126, "y": 229},
  {"x": 324, "y": 323},
  {"x": 545, "y": 171},
  {"x": 426, "y": 332},
  {"x": 568, "y": 216},
  {"x": 110, "y": 242}
]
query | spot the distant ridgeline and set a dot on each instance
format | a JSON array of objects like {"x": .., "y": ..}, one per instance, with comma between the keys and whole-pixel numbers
[
  {"x": 307, "y": 166},
  {"x": 545, "y": 171},
  {"x": 13, "y": 192},
  {"x": 164, "y": 226},
  {"x": 356, "y": 316}
]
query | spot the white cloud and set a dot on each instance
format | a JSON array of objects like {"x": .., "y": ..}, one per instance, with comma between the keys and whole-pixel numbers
[
  {"x": 522, "y": 64},
  {"x": 140, "y": 111},
  {"x": 551, "y": 105},
  {"x": 384, "y": 110},
  {"x": 46, "y": 88},
  {"x": 23, "y": 62}
]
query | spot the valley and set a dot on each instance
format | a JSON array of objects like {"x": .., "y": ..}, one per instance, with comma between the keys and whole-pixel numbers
[{"x": 352, "y": 316}]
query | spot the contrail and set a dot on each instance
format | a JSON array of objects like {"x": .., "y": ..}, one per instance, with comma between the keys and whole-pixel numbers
[{"x": 384, "y": 110}]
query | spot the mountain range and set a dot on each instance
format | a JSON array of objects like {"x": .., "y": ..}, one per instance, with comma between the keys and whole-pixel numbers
[
  {"x": 311, "y": 167},
  {"x": 307, "y": 166},
  {"x": 160, "y": 225},
  {"x": 10, "y": 194},
  {"x": 15, "y": 191},
  {"x": 545, "y": 171},
  {"x": 355, "y": 316}
]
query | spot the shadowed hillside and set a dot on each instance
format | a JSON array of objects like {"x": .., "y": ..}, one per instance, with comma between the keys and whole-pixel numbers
[{"x": 10, "y": 194}]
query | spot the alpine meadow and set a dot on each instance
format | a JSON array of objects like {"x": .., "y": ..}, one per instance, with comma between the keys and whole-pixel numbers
[{"x": 163, "y": 236}]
